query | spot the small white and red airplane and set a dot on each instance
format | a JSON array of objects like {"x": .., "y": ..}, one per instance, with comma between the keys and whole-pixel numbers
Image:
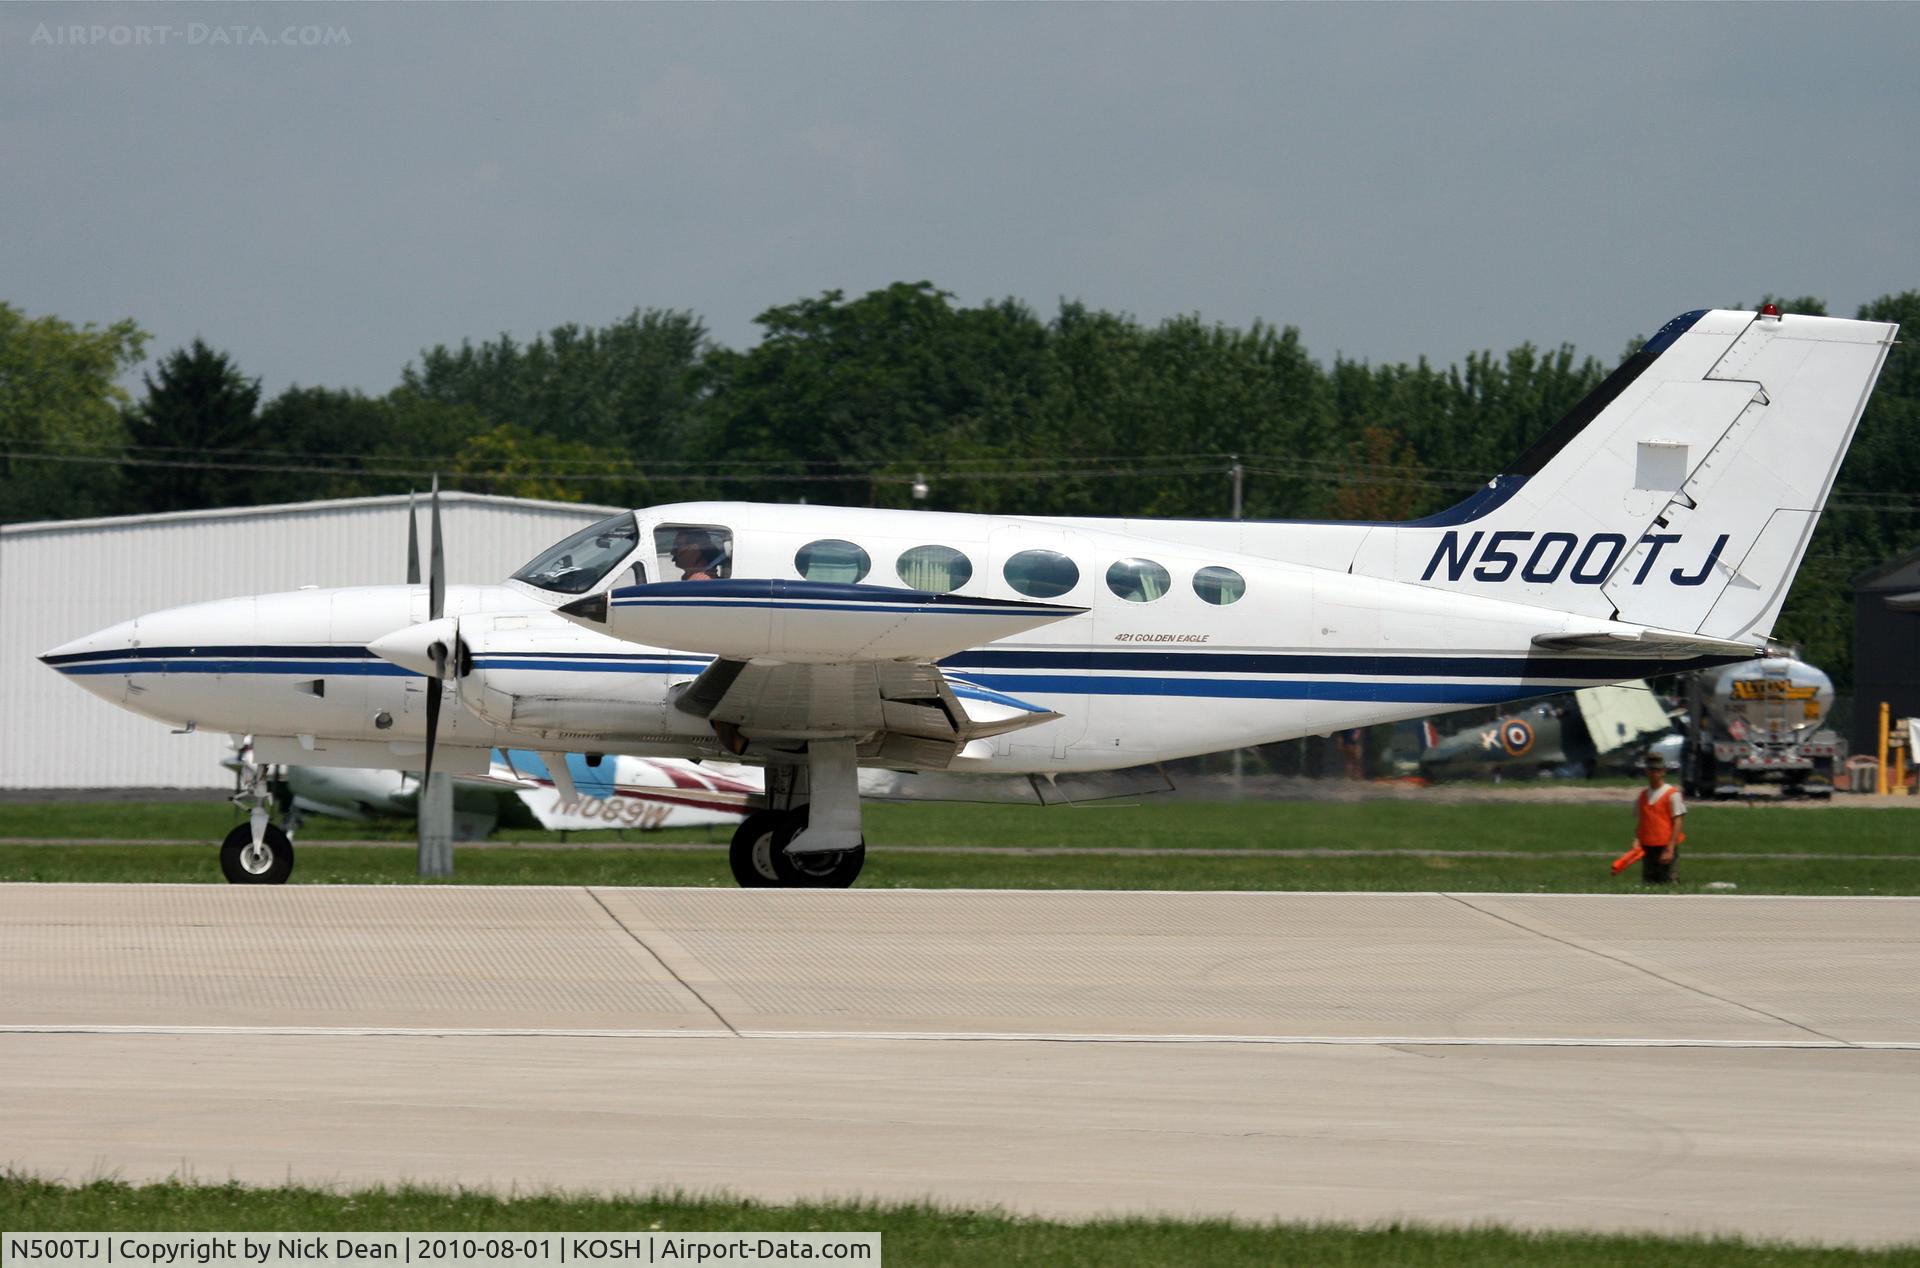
[
  {"x": 1655, "y": 528},
  {"x": 618, "y": 792}
]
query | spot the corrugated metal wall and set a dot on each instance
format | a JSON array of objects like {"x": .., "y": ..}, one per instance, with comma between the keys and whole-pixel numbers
[{"x": 60, "y": 581}]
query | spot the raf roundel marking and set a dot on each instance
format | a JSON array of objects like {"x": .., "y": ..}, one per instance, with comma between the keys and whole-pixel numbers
[{"x": 1516, "y": 737}]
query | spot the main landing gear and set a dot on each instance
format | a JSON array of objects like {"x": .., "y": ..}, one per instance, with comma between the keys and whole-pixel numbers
[
  {"x": 760, "y": 859},
  {"x": 809, "y": 835}
]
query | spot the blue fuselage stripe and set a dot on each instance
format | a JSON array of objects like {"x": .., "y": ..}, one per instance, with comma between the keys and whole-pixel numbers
[
  {"x": 1265, "y": 688},
  {"x": 1600, "y": 669},
  {"x": 1265, "y": 676},
  {"x": 211, "y": 665},
  {"x": 898, "y": 609}
]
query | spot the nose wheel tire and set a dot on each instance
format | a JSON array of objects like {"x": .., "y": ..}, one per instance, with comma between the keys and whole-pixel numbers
[{"x": 269, "y": 863}]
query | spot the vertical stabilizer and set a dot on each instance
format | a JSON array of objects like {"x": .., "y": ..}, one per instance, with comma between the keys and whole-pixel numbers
[{"x": 1681, "y": 493}]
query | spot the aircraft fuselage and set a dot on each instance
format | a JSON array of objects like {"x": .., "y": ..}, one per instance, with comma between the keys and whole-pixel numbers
[{"x": 1157, "y": 666}]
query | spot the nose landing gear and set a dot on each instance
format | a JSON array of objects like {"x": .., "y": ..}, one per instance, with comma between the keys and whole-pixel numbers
[{"x": 256, "y": 852}]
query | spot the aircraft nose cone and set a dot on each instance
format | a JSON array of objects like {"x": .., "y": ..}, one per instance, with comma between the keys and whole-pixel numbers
[
  {"x": 115, "y": 640},
  {"x": 100, "y": 661},
  {"x": 410, "y": 648}
]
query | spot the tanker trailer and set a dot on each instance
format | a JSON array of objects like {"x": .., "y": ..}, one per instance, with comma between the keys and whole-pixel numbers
[{"x": 1759, "y": 723}]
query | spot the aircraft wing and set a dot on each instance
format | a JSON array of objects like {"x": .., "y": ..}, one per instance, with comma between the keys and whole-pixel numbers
[
  {"x": 807, "y": 621},
  {"x": 808, "y": 660}
]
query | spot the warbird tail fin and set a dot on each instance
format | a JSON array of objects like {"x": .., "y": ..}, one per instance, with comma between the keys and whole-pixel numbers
[{"x": 1679, "y": 494}]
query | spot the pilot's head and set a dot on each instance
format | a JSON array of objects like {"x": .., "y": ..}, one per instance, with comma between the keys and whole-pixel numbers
[{"x": 694, "y": 550}]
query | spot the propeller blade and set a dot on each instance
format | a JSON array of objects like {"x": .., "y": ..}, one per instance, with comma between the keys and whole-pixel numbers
[
  {"x": 439, "y": 653},
  {"x": 437, "y": 576},
  {"x": 413, "y": 542}
]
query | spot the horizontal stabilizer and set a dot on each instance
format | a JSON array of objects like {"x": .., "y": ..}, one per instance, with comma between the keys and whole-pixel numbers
[
  {"x": 1646, "y": 644},
  {"x": 807, "y": 621}
]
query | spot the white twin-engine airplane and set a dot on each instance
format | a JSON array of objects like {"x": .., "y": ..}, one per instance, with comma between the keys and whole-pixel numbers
[{"x": 1655, "y": 528}]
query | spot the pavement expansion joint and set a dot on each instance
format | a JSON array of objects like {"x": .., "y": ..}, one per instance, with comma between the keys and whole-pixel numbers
[
  {"x": 1629, "y": 962},
  {"x": 660, "y": 960}
]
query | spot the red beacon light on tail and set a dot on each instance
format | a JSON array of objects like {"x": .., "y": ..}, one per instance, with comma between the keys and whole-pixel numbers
[{"x": 1770, "y": 310}]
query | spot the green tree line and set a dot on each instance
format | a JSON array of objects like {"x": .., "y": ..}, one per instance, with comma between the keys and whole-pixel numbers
[{"x": 893, "y": 398}]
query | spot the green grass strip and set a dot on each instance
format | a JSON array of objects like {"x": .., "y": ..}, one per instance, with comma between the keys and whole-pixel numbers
[
  {"x": 376, "y": 865},
  {"x": 1541, "y": 846},
  {"x": 1390, "y": 823}
]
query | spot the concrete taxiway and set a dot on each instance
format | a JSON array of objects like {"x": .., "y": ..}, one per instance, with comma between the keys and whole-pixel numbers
[{"x": 1671, "y": 1063}]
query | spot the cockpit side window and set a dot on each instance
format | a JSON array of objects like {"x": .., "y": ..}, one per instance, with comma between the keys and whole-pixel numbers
[
  {"x": 579, "y": 563},
  {"x": 694, "y": 552}
]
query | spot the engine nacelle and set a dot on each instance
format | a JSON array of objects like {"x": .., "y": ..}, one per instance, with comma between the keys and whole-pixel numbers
[{"x": 537, "y": 675}]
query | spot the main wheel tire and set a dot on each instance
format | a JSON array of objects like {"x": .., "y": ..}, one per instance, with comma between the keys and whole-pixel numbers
[
  {"x": 832, "y": 869},
  {"x": 751, "y": 854},
  {"x": 271, "y": 864}
]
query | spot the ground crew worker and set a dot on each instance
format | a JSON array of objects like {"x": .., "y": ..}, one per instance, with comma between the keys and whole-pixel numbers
[{"x": 1661, "y": 809}]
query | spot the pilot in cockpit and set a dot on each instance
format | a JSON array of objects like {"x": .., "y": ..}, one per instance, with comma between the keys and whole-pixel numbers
[{"x": 697, "y": 555}]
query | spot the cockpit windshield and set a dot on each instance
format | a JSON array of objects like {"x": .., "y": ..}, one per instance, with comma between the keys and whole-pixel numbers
[{"x": 579, "y": 563}]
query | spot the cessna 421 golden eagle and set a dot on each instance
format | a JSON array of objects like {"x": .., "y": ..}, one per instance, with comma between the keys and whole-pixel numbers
[{"x": 1655, "y": 528}]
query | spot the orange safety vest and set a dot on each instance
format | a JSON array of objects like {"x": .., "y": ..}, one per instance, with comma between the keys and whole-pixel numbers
[{"x": 1657, "y": 826}]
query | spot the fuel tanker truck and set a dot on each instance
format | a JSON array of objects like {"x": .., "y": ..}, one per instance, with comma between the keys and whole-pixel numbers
[{"x": 1759, "y": 722}]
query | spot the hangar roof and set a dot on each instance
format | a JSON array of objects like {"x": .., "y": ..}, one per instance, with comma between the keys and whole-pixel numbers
[
  {"x": 1896, "y": 574},
  {"x": 447, "y": 497}
]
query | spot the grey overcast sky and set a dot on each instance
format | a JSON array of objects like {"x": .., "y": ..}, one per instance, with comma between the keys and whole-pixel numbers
[{"x": 1394, "y": 180}]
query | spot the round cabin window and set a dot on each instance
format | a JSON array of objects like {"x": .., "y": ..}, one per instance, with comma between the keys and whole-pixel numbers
[
  {"x": 831, "y": 560},
  {"x": 1041, "y": 574},
  {"x": 1219, "y": 586},
  {"x": 935, "y": 569},
  {"x": 1138, "y": 580}
]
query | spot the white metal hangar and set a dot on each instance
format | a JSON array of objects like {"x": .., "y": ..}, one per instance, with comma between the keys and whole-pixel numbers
[{"x": 62, "y": 579}]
